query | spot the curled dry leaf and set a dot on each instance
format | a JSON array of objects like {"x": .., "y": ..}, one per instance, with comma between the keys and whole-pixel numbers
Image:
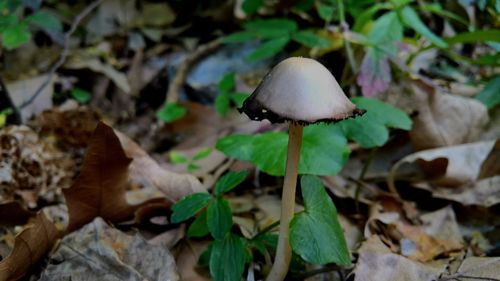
[
  {"x": 18, "y": 215},
  {"x": 100, "y": 252},
  {"x": 30, "y": 246},
  {"x": 445, "y": 119},
  {"x": 146, "y": 171},
  {"x": 100, "y": 188}
]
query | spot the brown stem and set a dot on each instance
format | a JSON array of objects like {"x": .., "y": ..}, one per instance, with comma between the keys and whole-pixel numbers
[{"x": 284, "y": 251}]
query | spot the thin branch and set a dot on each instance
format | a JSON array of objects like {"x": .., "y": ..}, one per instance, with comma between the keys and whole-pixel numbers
[
  {"x": 183, "y": 70},
  {"x": 65, "y": 51}
]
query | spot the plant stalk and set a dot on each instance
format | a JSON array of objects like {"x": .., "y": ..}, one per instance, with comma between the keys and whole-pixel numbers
[{"x": 284, "y": 250}]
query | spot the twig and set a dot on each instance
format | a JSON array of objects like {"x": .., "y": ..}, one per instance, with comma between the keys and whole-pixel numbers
[
  {"x": 183, "y": 70},
  {"x": 65, "y": 51}
]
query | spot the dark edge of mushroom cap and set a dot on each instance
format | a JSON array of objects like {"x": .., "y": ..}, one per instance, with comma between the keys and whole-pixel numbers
[{"x": 257, "y": 112}]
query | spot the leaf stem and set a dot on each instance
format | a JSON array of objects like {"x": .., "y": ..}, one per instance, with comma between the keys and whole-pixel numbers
[
  {"x": 347, "y": 44},
  {"x": 284, "y": 250}
]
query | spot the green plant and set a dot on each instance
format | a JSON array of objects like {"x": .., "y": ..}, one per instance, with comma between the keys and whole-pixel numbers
[
  {"x": 171, "y": 112},
  {"x": 15, "y": 27},
  {"x": 227, "y": 95},
  {"x": 275, "y": 34},
  {"x": 80, "y": 95},
  {"x": 229, "y": 252},
  {"x": 3, "y": 116},
  {"x": 190, "y": 163}
]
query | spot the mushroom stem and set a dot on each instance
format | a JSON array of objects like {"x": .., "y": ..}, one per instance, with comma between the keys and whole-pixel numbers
[{"x": 284, "y": 250}]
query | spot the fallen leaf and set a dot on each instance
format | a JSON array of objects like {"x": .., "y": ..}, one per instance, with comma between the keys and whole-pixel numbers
[
  {"x": 18, "y": 215},
  {"x": 21, "y": 91},
  {"x": 477, "y": 268},
  {"x": 100, "y": 188},
  {"x": 146, "y": 171},
  {"x": 377, "y": 262},
  {"x": 30, "y": 246},
  {"x": 444, "y": 119},
  {"x": 100, "y": 252},
  {"x": 187, "y": 260}
]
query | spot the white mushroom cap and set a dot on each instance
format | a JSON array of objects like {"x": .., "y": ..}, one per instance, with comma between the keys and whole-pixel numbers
[{"x": 301, "y": 90}]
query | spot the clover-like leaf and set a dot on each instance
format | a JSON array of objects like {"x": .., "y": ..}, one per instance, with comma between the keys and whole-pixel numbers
[
  {"x": 227, "y": 258},
  {"x": 219, "y": 218},
  {"x": 189, "y": 206},
  {"x": 229, "y": 181}
]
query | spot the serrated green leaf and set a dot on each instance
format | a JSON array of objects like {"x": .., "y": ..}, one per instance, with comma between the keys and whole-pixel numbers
[
  {"x": 316, "y": 234},
  {"x": 80, "y": 95},
  {"x": 226, "y": 84},
  {"x": 229, "y": 181},
  {"x": 324, "y": 150},
  {"x": 221, "y": 104},
  {"x": 269, "y": 48},
  {"x": 199, "y": 226},
  {"x": 411, "y": 19},
  {"x": 45, "y": 20},
  {"x": 237, "y": 37},
  {"x": 8, "y": 21},
  {"x": 189, "y": 206},
  {"x": 238, "y": 98},
  {"x": 177, "y": 158},
  {"x": 219, "y": 218},
  {"x": 490, "y": 95},
  {"x": 227, "y": 258},
  {"x": 251, "y": 6},
  {"x": 326, "y": 11},
  {"x": 370, "y": 130},
  {"x": 310, "y": 39},
  {"x": 171, "y": 112},
  {"x": 15, "y": 36},
  {"x": 202, "y": 153}
]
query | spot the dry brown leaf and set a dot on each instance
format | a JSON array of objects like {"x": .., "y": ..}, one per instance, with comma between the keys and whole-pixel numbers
[
  {"x": 100, "y": 252},
  {"x": 377, "y": 262},
  {"x": 453, "y": 166},
  {"x": 477, "y": 268},
  {"x": 30, "y": 246},
  {"x": 100, "y": 188},
  {"x": 146, "y": 171},
  {"x": 22, "y": 90},
  {"x": 445, "y": 119}
]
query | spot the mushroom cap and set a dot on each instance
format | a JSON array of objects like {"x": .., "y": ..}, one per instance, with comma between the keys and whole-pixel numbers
[{"x": 299, "y": 90}]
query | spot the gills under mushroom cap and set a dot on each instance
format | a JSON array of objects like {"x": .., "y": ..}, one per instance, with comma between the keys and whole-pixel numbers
[{"x": 299, "y": 90}]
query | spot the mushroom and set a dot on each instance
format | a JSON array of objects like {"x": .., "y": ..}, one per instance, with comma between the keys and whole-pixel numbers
[{"x": 300, "y": 91}]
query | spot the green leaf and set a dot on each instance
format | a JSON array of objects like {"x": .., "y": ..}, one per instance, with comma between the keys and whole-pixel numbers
[
  {"x": 370, "y": 130},
  {"x": 251, "y": 6},
  {"x": 199, "y": 226},
  {"x": 326, "y": 11},
  {"x": 177, "y": 158},
  {"x": 229, "y": 181},
  {"x": 438, "y": 10},
  {"x": 193, "y": 167},
  {"x": 80, "y": 95},
  {"x": 484, "y": 35},
  {"x": 45, "y": 20},
  {"x": 386, "y": 30},
  {"x": 324, "y": 150},
  {"x": 221, "y": 104},
  {"x": 227, "y": 258},
  {"x": 310, "y": 39},
  {"x": 238, "y": 98},
  {"x": 237, "y": 37},
  {"x": 366, "y": 15},
  {"x": 219, "y": 218},
  {"x": 490, "y": 95},
  {"x": 269, "y": 48},
  {"x": 8, "y": 21},
  {"x": 303, "y": 5},
  {"x": 171, "y": 112},
  {"x": 202, "y": 153},
  {"x": 226, "y": 84},
  {"x": 260, "y": 25},
  {"x": 411, "y": 19},
  {"x": 189, "y": 206},
  {"x": 316, "y": 234},
  {"x": 15, "y": 36}
]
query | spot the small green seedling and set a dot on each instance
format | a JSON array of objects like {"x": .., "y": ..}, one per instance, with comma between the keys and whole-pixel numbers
[
  {"x": 80, "y": 95},
  {"x": 190, "y": 163},
  {"x": 227, "y": 95},
  {"x": 171, "y": 112}
]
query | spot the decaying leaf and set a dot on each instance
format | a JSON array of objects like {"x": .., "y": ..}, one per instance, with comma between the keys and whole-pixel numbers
[
  {"x": 100, "y": 188},
  {"x": 377, "y": 262},
  {"x": 445, "y": 119},
  {"x": 100, "y": 252},
  {"x": 146, "y": 171},
  {"x": 187, "y": 260},
  {"x": 30, "y": 246},
  {"x": 18, "y": 215}
]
